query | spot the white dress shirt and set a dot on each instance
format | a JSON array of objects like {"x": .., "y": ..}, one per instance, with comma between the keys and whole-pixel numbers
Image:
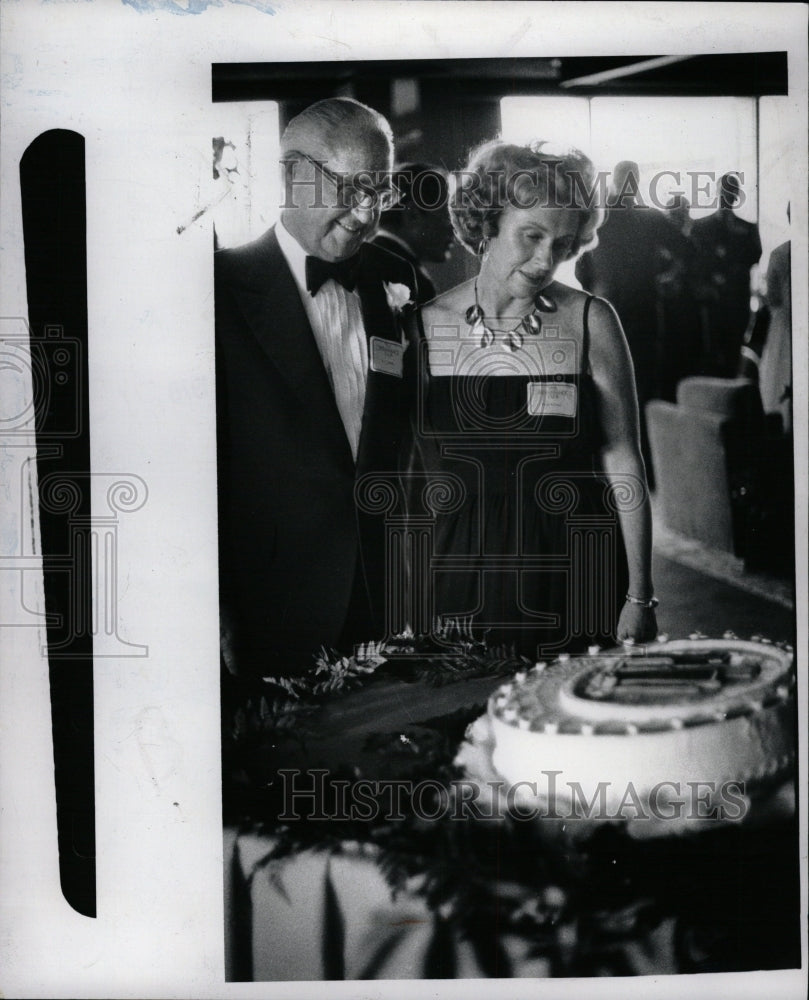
[{"x": 335, "y": 315}]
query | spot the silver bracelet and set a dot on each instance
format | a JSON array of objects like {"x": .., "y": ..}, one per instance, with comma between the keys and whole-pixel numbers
[{"x": 651, "y": 603}]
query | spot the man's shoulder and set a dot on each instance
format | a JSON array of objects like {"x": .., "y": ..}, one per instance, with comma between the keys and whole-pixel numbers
[
  {"x": 706, "y": 231},
  {"x": 782, "y": 253},
  {"x": 384, "y": 241},
  {"x": 718, "y": 225},
  {"x": 242, "y": 261},
  {"x": 708, "y": 223},
  {"x": 750, "y": 229},
  {"x": 383, "y": 258},
  {"x": 388, "y": 265}
]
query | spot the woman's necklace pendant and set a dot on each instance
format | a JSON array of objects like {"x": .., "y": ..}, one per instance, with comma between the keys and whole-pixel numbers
[
  {"x": 514, "y": 340},
  {"x": 474, "y": 314},
  {"x": 532, "y": 323},
  {"x": 486, "y": 335}
]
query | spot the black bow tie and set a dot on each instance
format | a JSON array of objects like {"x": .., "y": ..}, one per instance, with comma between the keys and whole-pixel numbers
[{"x": 342, "y": 271}]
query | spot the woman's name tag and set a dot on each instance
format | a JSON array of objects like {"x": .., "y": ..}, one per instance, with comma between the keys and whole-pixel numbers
[
  {"x": 386, "y": 356},
  {"x": 552, "y": 399}
]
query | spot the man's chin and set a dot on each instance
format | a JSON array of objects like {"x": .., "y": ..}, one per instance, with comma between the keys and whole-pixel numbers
[{"x": 345, "y": 244}]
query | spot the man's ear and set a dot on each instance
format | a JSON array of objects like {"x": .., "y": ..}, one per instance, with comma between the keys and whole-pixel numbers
[{"x": 287, "y": 179}]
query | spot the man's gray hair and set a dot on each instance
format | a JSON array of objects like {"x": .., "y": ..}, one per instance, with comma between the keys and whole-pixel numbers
[{"x": 331, "y": 117}]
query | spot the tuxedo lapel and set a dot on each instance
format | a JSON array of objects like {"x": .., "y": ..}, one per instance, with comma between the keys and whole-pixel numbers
[
  {"x": 271, "y": 303},
  {"x": 383, "y": 392},
  {"x": 273, "y": 309},
  {"x": 267, "y": 296},
  {"x": 376, "y": 315}
]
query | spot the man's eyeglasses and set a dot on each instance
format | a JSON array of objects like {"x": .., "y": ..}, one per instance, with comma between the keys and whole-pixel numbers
[{"x": 358, "y": 191}]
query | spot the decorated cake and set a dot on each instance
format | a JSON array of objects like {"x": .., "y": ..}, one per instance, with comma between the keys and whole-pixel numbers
[{"x": 713, "y": 719}]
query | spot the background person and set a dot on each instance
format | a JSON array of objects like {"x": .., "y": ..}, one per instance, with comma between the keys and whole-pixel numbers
[
  {"x": 635, "y": 246},
  {"x": 728, "y": 247},
  {"x": 418, "y": 227},
  {"x": 678, "y": 305},
  {"x": 775, "y": 368}
]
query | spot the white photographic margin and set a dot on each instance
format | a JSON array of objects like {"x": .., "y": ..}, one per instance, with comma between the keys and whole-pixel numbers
[{"x": 135, "y": 79}]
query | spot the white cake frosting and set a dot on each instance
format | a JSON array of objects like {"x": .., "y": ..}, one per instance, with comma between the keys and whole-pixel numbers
[{"x": 660, "y": 719}]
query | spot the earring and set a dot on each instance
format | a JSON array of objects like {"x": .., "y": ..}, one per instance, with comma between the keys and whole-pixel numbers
[{"x": 483, "y": 247}]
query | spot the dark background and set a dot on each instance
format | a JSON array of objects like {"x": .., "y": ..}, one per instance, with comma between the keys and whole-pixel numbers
[{"x": 455, "y": 103}]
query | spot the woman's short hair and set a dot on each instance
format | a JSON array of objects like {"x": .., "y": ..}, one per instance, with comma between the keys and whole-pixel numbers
[{"x": 502, "y": 174}]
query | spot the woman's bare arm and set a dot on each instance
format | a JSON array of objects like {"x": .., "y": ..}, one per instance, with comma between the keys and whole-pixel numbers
[{"x": 613, "y": 375}]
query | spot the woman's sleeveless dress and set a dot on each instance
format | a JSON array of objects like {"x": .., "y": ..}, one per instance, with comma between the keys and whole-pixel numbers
[{"x": 527, "y": 545}]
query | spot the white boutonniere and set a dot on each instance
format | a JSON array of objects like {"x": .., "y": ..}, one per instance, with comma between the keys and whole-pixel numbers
[{"x": 398, "y": 296}]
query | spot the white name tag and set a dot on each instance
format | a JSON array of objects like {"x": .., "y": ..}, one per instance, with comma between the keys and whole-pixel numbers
[
  {"x": 552, "y": 399},
  {"x": 386, "y": 356}
]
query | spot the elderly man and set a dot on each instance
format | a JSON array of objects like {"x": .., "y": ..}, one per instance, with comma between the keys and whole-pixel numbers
[{"x": 313, "y": 391}]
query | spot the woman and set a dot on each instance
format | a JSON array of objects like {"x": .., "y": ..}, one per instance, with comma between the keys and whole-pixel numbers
[{"x": 530, "y": 413}]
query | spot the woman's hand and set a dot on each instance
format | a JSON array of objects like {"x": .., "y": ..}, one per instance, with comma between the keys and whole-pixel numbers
[{"x": 636, "y": 623}]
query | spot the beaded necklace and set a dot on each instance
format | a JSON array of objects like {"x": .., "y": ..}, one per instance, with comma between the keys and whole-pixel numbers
[{"x": 531, "y": 323}]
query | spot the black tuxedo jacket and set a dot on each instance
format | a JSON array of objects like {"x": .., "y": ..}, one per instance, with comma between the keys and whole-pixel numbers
[
  {"x": 298, "y": 555},
  {"x": 425, "y": 289}
]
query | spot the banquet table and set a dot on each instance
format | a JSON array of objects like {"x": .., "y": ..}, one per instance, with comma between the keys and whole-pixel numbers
[{"x": 404, "y": 897}]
